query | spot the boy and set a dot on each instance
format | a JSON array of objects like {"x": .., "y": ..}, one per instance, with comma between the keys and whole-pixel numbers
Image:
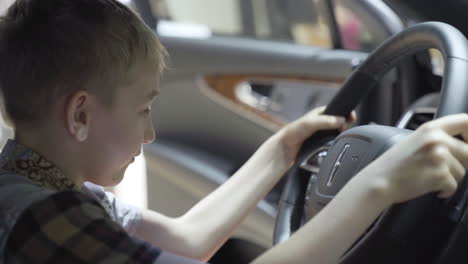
[{"x": 78, "y": 78}]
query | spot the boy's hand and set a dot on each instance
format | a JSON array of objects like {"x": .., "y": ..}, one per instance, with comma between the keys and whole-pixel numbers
[
  {"x": 294, "y": 134},
  {"x": 429, "y": 160}
]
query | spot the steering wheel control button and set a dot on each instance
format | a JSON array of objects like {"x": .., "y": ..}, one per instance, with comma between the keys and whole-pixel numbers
[
  {"x": 337, "y": 165},
  {"x": 313, "y": 161}
]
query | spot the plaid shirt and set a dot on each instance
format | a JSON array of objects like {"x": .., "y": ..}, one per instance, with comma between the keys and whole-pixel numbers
[{"x": 68, "y": 226}]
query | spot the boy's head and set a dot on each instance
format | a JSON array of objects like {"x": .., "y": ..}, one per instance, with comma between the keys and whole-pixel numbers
[
  {"x": 79, "y": 66},
  {"x": 51, "y": 48}
]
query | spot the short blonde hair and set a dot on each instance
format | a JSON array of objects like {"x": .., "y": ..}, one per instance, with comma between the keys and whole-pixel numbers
[{"x": 51, "y": 48}]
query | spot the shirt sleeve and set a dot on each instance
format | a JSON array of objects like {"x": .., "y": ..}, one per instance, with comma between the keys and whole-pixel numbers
[
  {"x": 70, "y": 227},
  {"x": 126, "y": 215}
]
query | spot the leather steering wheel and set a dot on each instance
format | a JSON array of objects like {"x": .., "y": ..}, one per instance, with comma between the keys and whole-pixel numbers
[{"x": 411, "y": 232}]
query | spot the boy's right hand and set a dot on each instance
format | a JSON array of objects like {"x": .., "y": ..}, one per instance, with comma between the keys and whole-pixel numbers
[{"x": 429, "y": 160}]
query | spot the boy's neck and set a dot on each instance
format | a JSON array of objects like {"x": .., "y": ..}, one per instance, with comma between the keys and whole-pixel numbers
[{"x": 54, "y": 149}]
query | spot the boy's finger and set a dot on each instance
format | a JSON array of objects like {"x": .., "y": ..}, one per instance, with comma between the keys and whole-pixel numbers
[
  {"x": 327, "y": 122},
  {"x": 350, "y": 120},
  {"x": 456, "y": 124},
  {"x": 456, "y": 167},
  {"x": 321, "y": 121},
  {"x": 318, "y": 110},
  {"x": 352, "y": 117},
  {"x": 448, "y": 187},
  {"x": 458, "y": 148}
]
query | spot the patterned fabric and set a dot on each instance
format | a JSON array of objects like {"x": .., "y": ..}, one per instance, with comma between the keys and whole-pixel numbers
[
  {"x": 46, "y": 218},
  {"x": 16, "y": 194},
  {"x": 22, "y": 160},
  {"x": 69, "y": 227}
]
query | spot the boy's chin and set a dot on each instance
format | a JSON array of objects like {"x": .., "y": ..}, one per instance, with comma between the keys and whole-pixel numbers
[
  {"x": 110, "y": 181},
  {"x": 113, "y": 179},
  {"x": 118, "y": 177}
]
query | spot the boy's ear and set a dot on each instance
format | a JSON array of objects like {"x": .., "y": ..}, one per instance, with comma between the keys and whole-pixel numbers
[{"x": 78, "y": 115}]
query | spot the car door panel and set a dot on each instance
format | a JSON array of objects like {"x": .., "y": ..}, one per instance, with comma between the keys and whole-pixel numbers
[
  {"x": 185, "y": 175},
  {"x": 188, "y": 114}
]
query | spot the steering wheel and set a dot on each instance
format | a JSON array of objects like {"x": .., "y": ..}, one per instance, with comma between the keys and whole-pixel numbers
[{"x": 411, "y": 232}]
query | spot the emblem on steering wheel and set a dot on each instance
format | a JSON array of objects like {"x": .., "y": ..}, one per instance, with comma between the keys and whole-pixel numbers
[{"x": 337, "y": 165}]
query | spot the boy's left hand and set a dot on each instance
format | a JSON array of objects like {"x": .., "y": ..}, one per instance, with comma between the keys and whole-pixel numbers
[{"x": 294, "y": 134}]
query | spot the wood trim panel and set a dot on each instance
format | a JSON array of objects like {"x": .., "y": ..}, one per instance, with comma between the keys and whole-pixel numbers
[{"x": 225, "y": 85}]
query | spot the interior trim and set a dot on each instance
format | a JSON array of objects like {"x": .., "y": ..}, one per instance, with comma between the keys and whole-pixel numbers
[
  {"x": 221, "y": 88},
  {"x": 405, "y": 120}
]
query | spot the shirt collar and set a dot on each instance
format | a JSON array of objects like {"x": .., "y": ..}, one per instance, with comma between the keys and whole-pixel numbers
[{"x": 22, "y": 160}]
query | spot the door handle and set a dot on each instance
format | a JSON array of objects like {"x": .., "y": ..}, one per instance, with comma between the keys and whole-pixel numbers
[{"x": 255, "y": 94}]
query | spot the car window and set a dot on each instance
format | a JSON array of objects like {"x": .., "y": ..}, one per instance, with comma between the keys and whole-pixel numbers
[
  {"x": 358, "y": 31},
  {"x": 6, "y": 132},
  {"x": 4, "y": 4},
  {"x": 299, "y": 21}
]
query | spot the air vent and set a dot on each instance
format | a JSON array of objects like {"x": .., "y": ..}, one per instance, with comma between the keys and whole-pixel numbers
[{"x": 416, "y": 117}]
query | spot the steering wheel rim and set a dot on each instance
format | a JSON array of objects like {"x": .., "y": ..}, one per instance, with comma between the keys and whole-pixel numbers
[{"x": 453, "y": 46}]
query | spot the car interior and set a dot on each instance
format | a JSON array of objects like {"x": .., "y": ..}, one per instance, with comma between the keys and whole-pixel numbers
[
  {"x": 240, "y": 70},
  {"x": 228, "y": 88},
  {"x": 224, "y": 95}
]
